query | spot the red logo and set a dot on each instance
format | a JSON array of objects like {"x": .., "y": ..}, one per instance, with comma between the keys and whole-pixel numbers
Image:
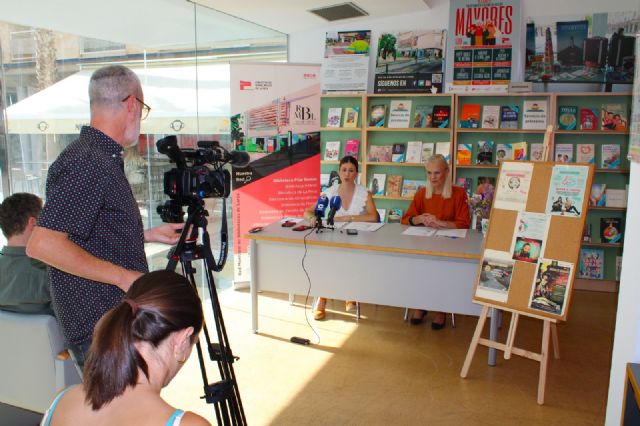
[{"x": 244, "y": 85}]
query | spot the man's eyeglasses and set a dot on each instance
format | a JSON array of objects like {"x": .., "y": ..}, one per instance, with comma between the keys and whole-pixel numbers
[{"x": 145, "y": 110}]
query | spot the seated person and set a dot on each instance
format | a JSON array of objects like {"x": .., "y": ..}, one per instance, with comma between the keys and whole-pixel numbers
[
  {"x": 357, "y": 206},
  {"x": 438, "y": 205},
  {"x": 137, "y": 349},
  {"x": 24, "y": 285}
]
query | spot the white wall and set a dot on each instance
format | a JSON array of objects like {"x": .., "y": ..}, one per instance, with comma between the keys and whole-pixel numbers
[{"x": 309, "y": 47}]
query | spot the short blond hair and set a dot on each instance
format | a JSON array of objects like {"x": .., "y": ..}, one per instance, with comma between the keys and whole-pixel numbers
[{"x": 447, "y": 188}]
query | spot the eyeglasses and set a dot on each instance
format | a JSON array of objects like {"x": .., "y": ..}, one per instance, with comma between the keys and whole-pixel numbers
[{"x": 145, "y": 109}]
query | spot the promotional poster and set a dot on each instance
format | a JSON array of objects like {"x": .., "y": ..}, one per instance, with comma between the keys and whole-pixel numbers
[
  {"x": 566, "y": 191},
  {"x": 346, "y": 62},
  {"x": 276, "y": 119},
  {"x": 483, "y": 45}
]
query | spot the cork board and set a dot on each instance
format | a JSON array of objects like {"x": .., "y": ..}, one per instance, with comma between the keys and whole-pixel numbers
[{"x": 537, "y": 278}]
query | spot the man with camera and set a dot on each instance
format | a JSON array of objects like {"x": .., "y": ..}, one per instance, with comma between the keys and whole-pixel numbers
[{"x": 90, "y": 232}]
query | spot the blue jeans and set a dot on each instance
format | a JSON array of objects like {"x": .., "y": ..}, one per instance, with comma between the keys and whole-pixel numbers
[{"x": 79, "y": 354}]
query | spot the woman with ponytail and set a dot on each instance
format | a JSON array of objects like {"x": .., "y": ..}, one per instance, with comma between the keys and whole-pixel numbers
[{"x": 137, "y": 349}]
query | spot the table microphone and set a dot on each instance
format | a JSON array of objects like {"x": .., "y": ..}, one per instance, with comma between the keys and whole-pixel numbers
[
  {"x": 321, "y": 206},
  {"x": 334, "y": 204}
]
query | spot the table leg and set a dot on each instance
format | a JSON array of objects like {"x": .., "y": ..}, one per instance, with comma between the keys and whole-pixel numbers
[
  {"x": 493, "y": 335},
  {"x": 254, "y": 286}
]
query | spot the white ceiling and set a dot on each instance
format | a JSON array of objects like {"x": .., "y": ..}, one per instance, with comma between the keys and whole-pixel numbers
[{"x": 170, "y": 23}]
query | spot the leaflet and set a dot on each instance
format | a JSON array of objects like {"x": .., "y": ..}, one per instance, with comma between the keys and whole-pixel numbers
[
  {"x": 419, "y": 231},
  {"x": 364, "y": 226}
]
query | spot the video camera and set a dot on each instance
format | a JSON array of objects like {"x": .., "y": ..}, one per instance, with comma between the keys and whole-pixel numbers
[{"x": 198, "y": 174}]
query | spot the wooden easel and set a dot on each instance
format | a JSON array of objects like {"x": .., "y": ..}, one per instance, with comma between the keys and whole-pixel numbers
[{"x": 549, "y": 329}]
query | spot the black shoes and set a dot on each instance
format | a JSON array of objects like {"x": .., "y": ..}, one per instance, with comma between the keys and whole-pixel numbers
[
  {"x": 439, "y": 325},
  {"x": 417, "y": 320}
]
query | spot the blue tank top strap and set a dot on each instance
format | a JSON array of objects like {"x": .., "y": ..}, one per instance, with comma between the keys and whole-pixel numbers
[
  {"x": 49, "y": 412},
  {"x": 176, "y": 414}
]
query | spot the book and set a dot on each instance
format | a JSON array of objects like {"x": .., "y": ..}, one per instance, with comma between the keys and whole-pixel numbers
[
  {"x": 537, "y": 151},
  {"x": 271, "y": 145},
  {"x": 423, "y": 116},
  {"x": 485, "y": 152},
  {"x": 591, "y": 263},
  {"x": 564, "y": 153},
  {"x": 351, "y": 116},
  {"x": 519, "y": 151},
  {"x": 470, "y": 116},
  {"x": 332, "y": 150},
  {"x": 441, "y": 116},
  {"x": 464, "y": 154},
  {"x": 397, "y": 152},
  {"x": 491, "y": 116},
  {"x": 378, "y": 113},
  {"x": 504, "y": 151},
  {"x": 324, "y": 181},
  {"x": 333, "y": 117},
  {"x": 414, "y": 152},
  {"x": 509, "y": 117},
  {"x": 567, "y": 117},
  {"x": 616, "y": 198},
  {"x": 466, "y": 184},
  {"x": 585, "y": 153},
  {"x": 571, "y": 36},
  {"x": 614, "y": 117},
  {"x": 394, "y": 186},
  {"x": 352, "y": 148},
  {"x": 598, "y": 197},
  {"x": 395, "y": 215},
  {"x": 377, "y": 184},
  {"x": 610, "y": 156},
  {"x": 382, "y": 214},
  {"x": 399, "y": 114},
  {"x": 618, "y": 267},
  {"x": 610, "y": 230},
  {"x": 380, "y": 153},
  {"x": 534, "y": 115},
  {"x": 444, "y": 148},
  {"x": 586, "y": 233},
  {"x": 427, "y": 151},
  {"x": 410, "y": 187},
  {"x": 588, "y": 119}
]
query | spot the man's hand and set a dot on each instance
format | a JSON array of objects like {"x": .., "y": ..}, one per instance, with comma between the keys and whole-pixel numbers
[{"x": 167, "y": 233}]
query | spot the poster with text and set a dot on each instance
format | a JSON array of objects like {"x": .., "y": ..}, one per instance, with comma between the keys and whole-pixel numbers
[
  {"x": 566, "y": 190},
  {"x": 483, "y": 45},
  {"x": 410, "y": 62},
  {"x": 513, "y": 185},
  {"x": 276, "y": 119},
  {"x": 495, "y": 276},
  {"x": 346, "y": 61},
  {"x": 551, "y": 286},
  {"x": 529, "y": 236}
]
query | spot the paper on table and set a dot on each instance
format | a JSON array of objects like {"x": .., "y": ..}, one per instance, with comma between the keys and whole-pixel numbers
[
  {"x": 452, "y": 233},
  {"x": 419, "y": 231},
  {"x": 364, "y": 226}
]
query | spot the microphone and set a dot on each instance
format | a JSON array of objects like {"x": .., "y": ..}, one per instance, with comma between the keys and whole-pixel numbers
[
  {"x": 334, "y": 204},
  {"x": 321, "y": 206},
  {"x": 239, "y": 158}
]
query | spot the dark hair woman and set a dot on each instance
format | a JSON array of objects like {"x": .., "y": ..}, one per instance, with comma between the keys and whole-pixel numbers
[{"x": 137, "y": 349}]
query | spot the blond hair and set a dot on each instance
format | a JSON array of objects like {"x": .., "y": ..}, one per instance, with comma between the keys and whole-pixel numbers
[{"x": 447, "y": 187}]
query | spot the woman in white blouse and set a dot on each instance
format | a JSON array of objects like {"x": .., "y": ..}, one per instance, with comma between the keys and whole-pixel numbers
[{"x": 357, "y": 206}]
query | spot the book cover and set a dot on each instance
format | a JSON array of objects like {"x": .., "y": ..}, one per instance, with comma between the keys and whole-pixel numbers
[
  {"x": 399, "y": 114},
  {"x": 414, "y": 152},
  {"x": 610, "y": 156},
  {"x": 509, "y": 117},
  {"x": 534, "y": 115},
  {"x": 591, "y": 263},
  {"x": 618, "y": 267},
  {"x": 382, "y": 213},
  {"x": 585, "y": 153},
  {"x": 537, "y": 151},
  {"x": 551, "y": 285},
  {"x": 351, "y": 116},
  {"x": 352, "y": 148},
  {"x": 324, "y": 181},
  {"x": 491, "y": 116},
  {"x": 564, "y": 153},
  {"x": 271, "y": 145},
  {"x": 427, "y": 151},
  {"x": 614, "y": 117},
  {"x": 598, "y": 196},
  {"x": 377, "y": 184},
  {"x": 394, "y": 186},
  {"x": 519, "y": 151},
  {"x": 334, "y": 178},
  {"x": 571, "y": 36},
  {"x": 444, "y": 148},
  {"x": 485, "y": 152},
  {"x": 410, "y": 187},
  {"x": 394, "y": 215},
  {"x": 398, "y": 152},
  {"x": 465, "y": 183},
  {"x": 464, "y": 154},
  {"x": 378, "y": 113},
  {"x": 586, "y": 233},
  {"x": 610, "y": 230},
  {"x": 616, "y": 198},
  {"x": 332, "y": 150},
  {"x": 504, "y": 151},
  {"x": 380, "y": 153},
  {"x": 567, "y": 117},
  {"x": 441, "y": 116},
  {"x": 588, "y": 119},
  {"x": 333, "y": 117},
  {"x": 423, "y": 117},
  {"x": 470, "y": 116}
]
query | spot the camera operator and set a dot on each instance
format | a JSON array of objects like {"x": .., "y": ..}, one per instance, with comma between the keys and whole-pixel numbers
[{"x": 90, "y": 232}]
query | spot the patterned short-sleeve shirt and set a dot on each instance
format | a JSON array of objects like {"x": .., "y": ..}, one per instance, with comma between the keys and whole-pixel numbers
[{"x": 89, "y": 198}]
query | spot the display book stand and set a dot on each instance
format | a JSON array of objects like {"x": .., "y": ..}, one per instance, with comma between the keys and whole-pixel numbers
[{"x": 562, "y": 243}]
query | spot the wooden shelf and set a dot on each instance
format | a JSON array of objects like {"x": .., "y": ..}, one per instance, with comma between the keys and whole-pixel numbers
[
  {"x": 616, "y": 245},
  {"x": 591, "y": 132},
  {"x": 477, "y": 166},
  {"x": 409, "y": 95},
  {"x": 620, "y": 209},
  {"x": 340, "y": 129},
  {"x": 460, "y": 130},
  {"x": 409, "y": 129},
  {"x": 611, "y": 170},
  {"x": 336, "y": 162},
  {"x": 388, "y": 163},
  {"x": 385, "y": 197}
]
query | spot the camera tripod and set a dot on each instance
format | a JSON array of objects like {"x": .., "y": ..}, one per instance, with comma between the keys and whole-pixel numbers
[{"x": 224, "y": 394}]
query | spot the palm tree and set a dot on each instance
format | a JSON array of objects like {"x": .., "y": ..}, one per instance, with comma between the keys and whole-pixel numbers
[{"x": 387, "y": 46}]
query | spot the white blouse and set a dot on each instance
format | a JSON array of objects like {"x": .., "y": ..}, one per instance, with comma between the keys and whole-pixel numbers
[{"x": 358, "y": 202}]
